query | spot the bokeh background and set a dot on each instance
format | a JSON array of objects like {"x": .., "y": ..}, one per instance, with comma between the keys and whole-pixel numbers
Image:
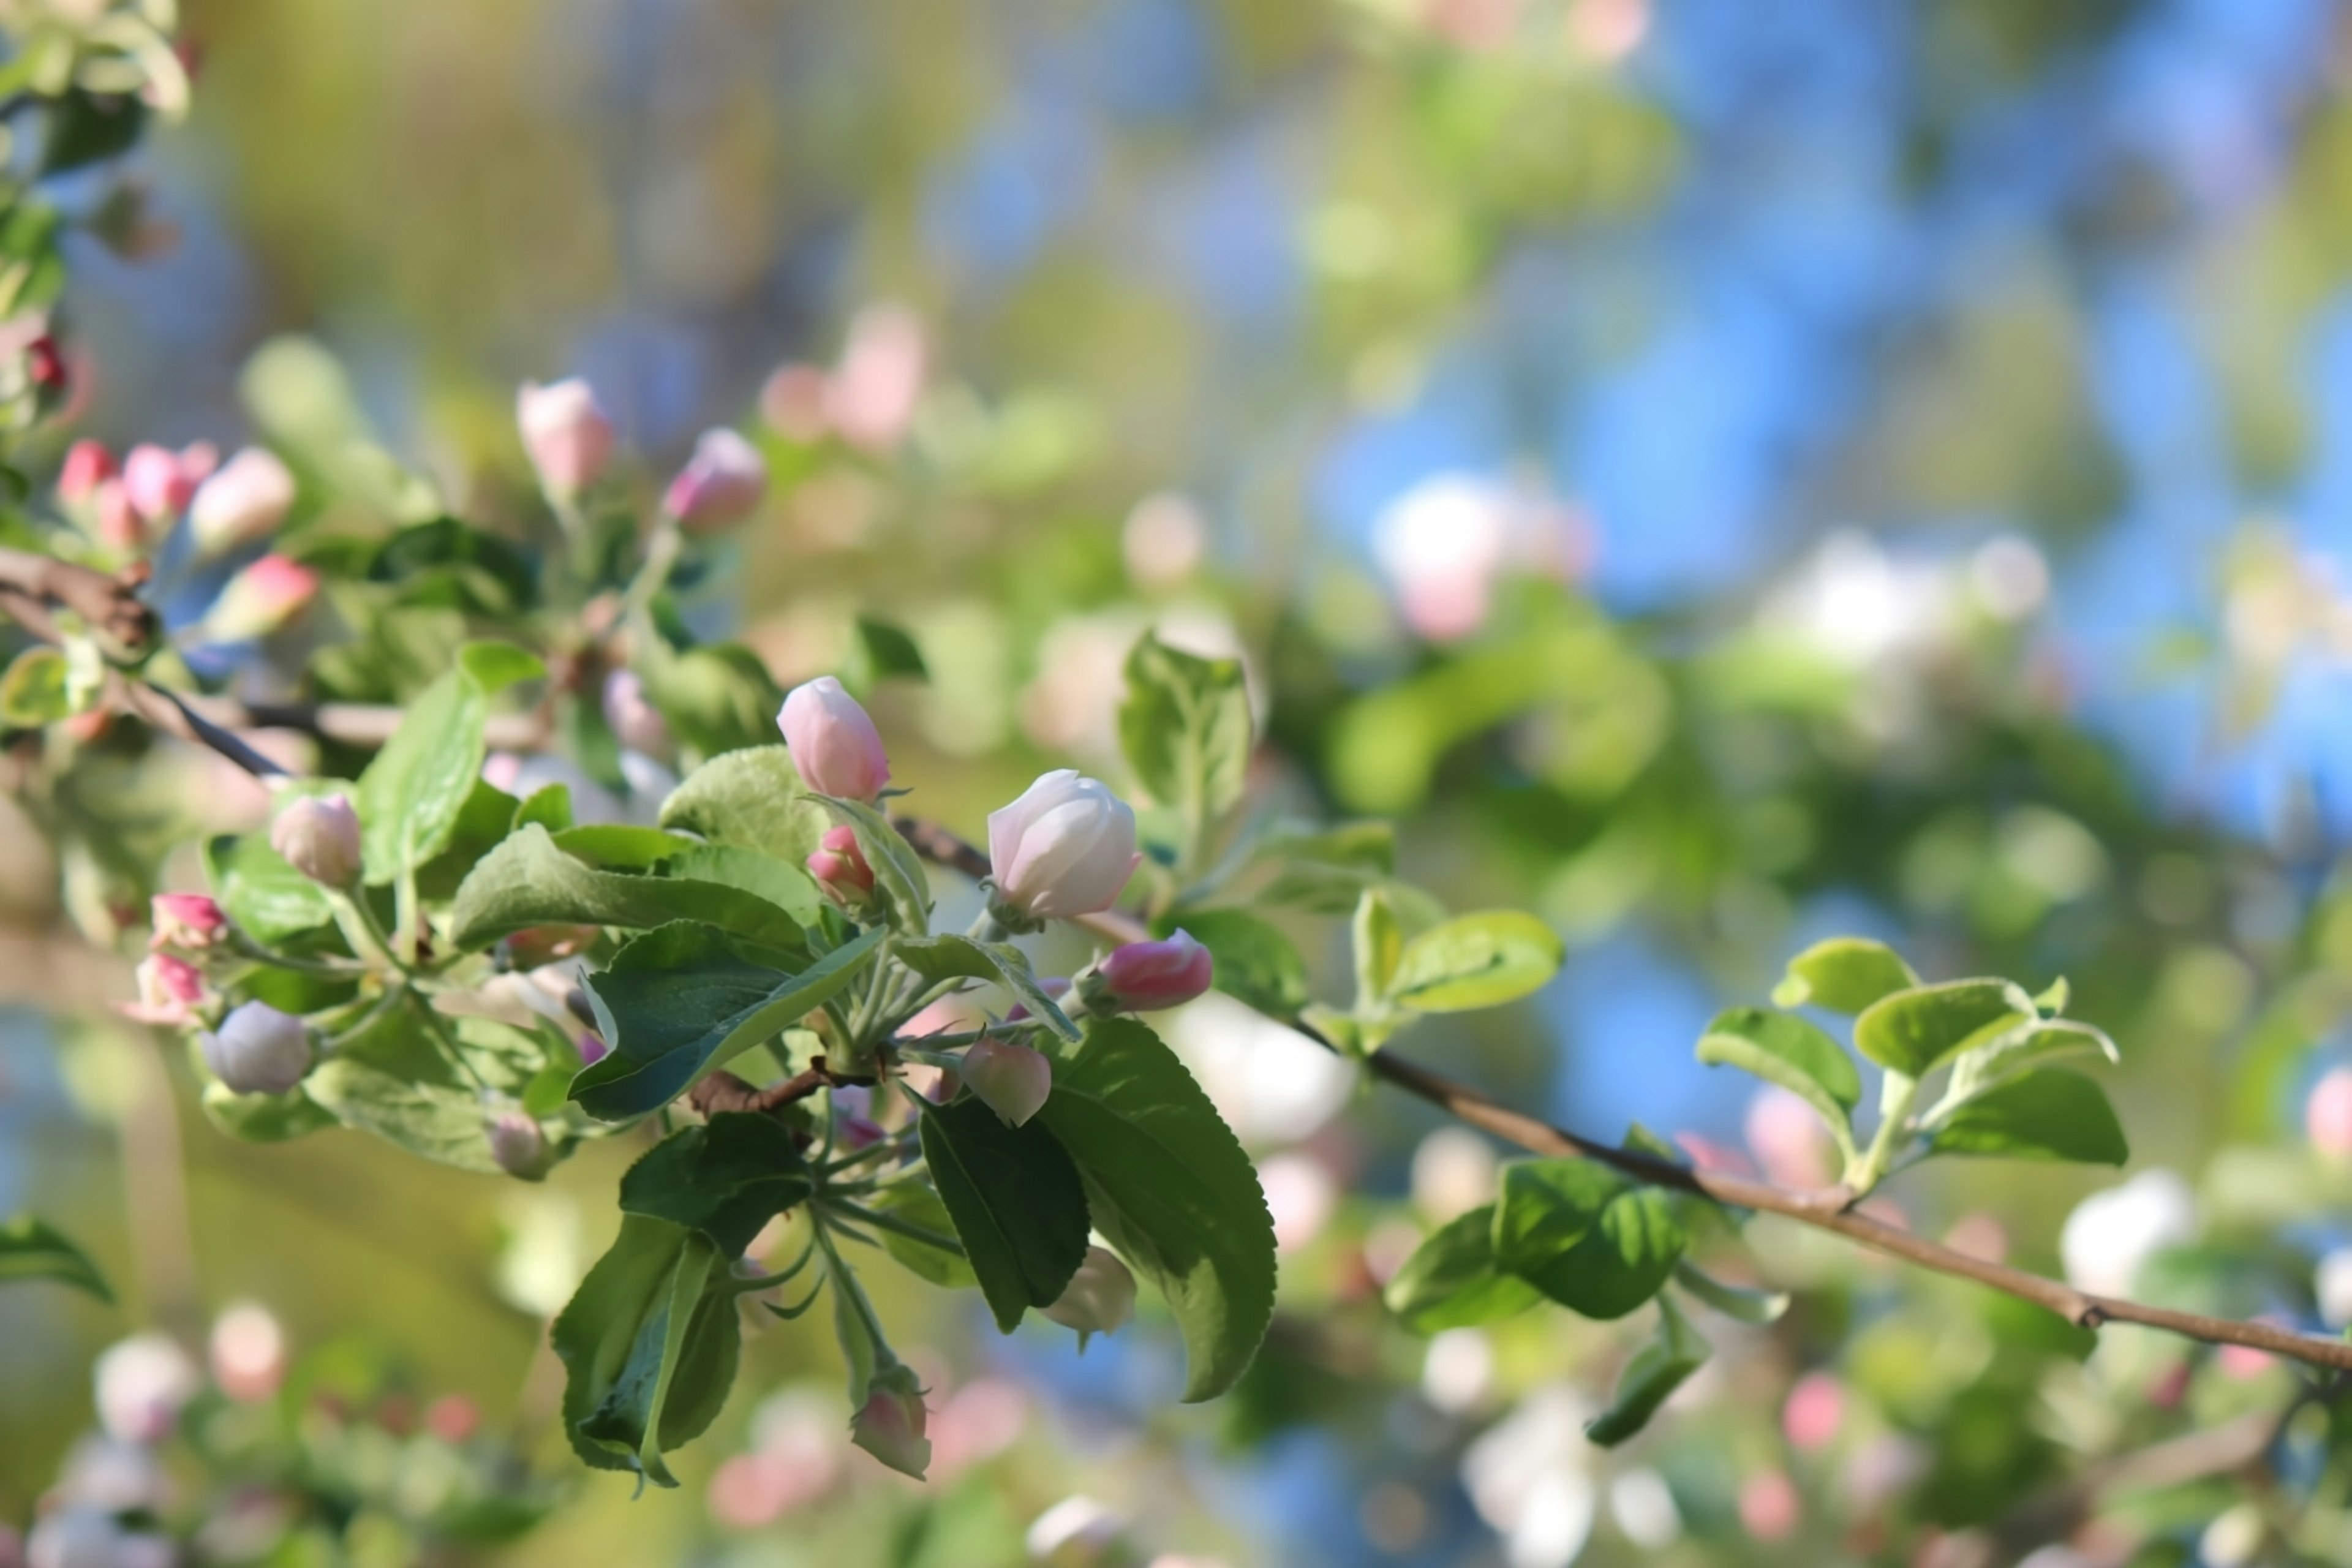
[{"x": 1721, "y": 474}]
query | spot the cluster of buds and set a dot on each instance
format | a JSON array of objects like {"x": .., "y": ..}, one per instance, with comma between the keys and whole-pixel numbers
[
  {"x": 570, "y": 439},
  {"x": 131, "y": 508},
  {"x": 186, "y": 923}
]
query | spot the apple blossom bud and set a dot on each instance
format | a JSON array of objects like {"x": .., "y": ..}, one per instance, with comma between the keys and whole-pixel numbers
[
  {"x": 891, "y": 1425},
  {"x": 119, "y": 527},
  {"x": 1814, "y": 1412},
  {"x": 170, "y": 991},
  {"x": 793, "y": 403},
  {"x": 567, "y": 434},
  {"x": 190, "y": 922},
  {"x": 161, "y": 483},
  {"x": 1150, "y": 976},
  {"x": 1099, "y": 1298},
  {"x": 2327, "y": 1115},
  {"x": 1065, "y": 848},
  {"x": 872, "y": 395},
  {"x": 260, "y": 599},
  {"x": 247, "y": 1352},
  {"x": 259, "y": 1051},
  {"x": 243, "y": 502},
  {"x": 319, "y": 834},
  {"x": 835, "y": 748},
  {"x": 721, "y": 485},
  {"x": 635, "y": 722},
  {"x": 517, "y": 1144},
  {"x": 839, "y": 868},
  {"x": 1012, "y": 1080},
  {"x": 142, "y": 1384},
  {"x": 87, "y": 463},
  {"x": 44, "y": 365},
  {"x": 853, "y": 1127}
]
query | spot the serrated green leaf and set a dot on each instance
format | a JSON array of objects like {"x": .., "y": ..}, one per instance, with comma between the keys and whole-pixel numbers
[
  {"x": 397, "y": 1078},
  {"x": 684, "y": 999},
  {"x": 1917, "y": 1030},
  {"x": 529, "y": 881},
  {"x": 1452, "y": 1281},
  {"x": 1016, "y": 1200},
  {"x": 411, "y": 795},
  {"x": 264, "y": 895},
  {"x": 1584, "y": 1236},
  {"x": 1185, "y": 728},
  {"x": 1251, "y": 959},
  {"x": 1170, "y": 1188},
  {"x": 620, "y": 847},
  {"x": 32, "y": 1248},
  {"x": 649, "y": 1348},
  {"x": 1651, "y": 1377},
  {"x": 1477, "y": 961},
  {"x": 1844, "y": 975},
  {"x": 2047, "y": 1114},
  {"x": 752, "y": 798},
  {"x": 2032, "y": 1044},
  {"x": 1782, "y": 1048},
  {"x": 725, "y": 1179}
]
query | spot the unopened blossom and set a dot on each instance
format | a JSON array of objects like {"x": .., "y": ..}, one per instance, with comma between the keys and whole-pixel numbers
[
  {"x": 1099, "y": 1298},
  {"x": 1065, "y": 848},
  {"x": 118, "y": 526},
  {"x": 1076, "y": 1529},
  {"x": 160, "y": 483},
  {"x": 890, "y": 1426},
  {"x": 838, "y": 866},
  {"x": 247, "y": 1352},
  {"x": 517, "y": 1144},
  {"x": 245, "y": 501},
  {"x": 871, "y": 396},
  {"x": 835, "y": 748},
  {"x": 2327, "y": 1115},
  {"x": 1012, "y": 1080},
  {"x": 259, "y": 1051},
  {"x": 189, "y": 922},
  {"x": 567, "y": 433},
  {"x": 1151, "y": 976},
  {"x": 635, "y": 721},
  {"x": 260, "y": 599},
  {"x": 171, "y": 990},
  {"x": 721, "y": 485},
  {"x": 319, "y": 834},
  {"x": 87, "y": 464},
  {"x": 1814, "y": 1412},
  {"x": 141, "y": 1385}
]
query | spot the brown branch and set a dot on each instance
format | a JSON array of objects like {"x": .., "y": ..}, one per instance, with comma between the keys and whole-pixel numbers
[
  {"x": 721, "y": 1091},
  {"x": 1830, "y": 1211},
  {"x": 33, "y": 585}
]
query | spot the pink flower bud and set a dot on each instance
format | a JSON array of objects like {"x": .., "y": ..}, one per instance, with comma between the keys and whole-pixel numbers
[
  {"x": 453, "y": 1418},
  {"x": 86, "y": 464},
  {"x": 635, "y": 722},
  {"x": 190, "y": 922},
  {"x": 142, "y": 1384},
  {"x": 259, "y": 1051},
  {"x": 517, "y": 1144},
  {"x": 594, "y": 1049},
  {"x": 243, "y": 502},
  {"x": 1768, "y": 1505},
  {"x": 119, "y": 527},
  {"x": 1147, "y": 976},
  {"x": 721, "y": 485},
  {"x": 260, "y": 599},
  {"x": 835, "y": 748},
  {"x": 1099, "y": 1298},
  {"x": 248, "y": 1352},
  {"x": 793, "y": 403},
  {"x": 1814, "y": 1411},
  {"x": 872, "y": 396},
  {"x": 161, "y": 483},
  {"x": 567, "y": 434},
  {"x": 170, "y": 991},
  {"x": 840, "y": 868},
  {"x": 891, "y": 1425},
  {"x": 1012, "y": 1080},
  {"x": 2327, "y": 1115},
  {"x": 1065, "y": 848},
  {"x": 319, "y": 834}
]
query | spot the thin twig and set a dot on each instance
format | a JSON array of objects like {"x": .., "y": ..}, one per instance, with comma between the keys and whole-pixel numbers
[
  {"x": 1831, "y": 1210},
  {"x": 718, "y": 1091}
]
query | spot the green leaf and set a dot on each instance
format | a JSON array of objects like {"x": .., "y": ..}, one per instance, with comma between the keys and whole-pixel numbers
[
  {"x": 1170, "y": 1188},
  {"x": 649, "y": 1346},
  {"x": 1253, "y": 960},
  {"x": 1016, "y": 1200},
  {"x": 861, "y": 1353},
  {"x": 262, "y": 893},
  {"x": 32, "y": 1248},
  {"x": 718, "y": 697},
  {"x": 1584, "y": 1236},
  {"x": 916, "y": 1203},
  {"x": 752, "y": 798},
  {"x": 2031, "y": 1045},
  {"x": 1378, "y": 939},
  {"x": 264, "y": 1117},
  {"x": 1325, "y": 869},
  {"x": 2042, "y": 1115},
  {"x": 1913, "y": 1031},
  {"x": 529, "y": 881},
  {"x": 949, "y": 957},
  {"x": 1740, "y": 1302},
  {"x": 880, "y": 651},
  {"x": 33, "y": 690},
  {"x": 1185, "y": 728},
  {"x": 86, "y": 128},
  {"x": 411, "y": 795},
  {"x": 1650, "y": 1378},
  {"x": 619, "y": 846},
  {"x": 684, "y": 999},
  {"x": 1451, "y": 1281},
  {"x": 725, "y": 1179},
  {"x": 397, "y": 1078},
  {"x": 779, "y": 882},
  {"x": 1477, "y": 961},
  {"x": 1844, "y": 975},
  {"x": 549, "y": 806},
  {"x": 899, "y": 880},
  {"x": 1782, "y": 1048}
]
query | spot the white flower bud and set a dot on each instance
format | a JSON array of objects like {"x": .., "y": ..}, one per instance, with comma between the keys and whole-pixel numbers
[
  {"x": 143, "y": 1383},
  {"x": 320, "y": 837},
  {"x": 1065, "y": 848},
  {"x": 1099, "y": 1298},
  {"x": 259, "y": 1051},
  {"x": 517, "y": 1144},
  {"x": 567, "y": 434},
  {"x": 245, "y": 501},
  {"x": 1012, "y": 1080}
]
